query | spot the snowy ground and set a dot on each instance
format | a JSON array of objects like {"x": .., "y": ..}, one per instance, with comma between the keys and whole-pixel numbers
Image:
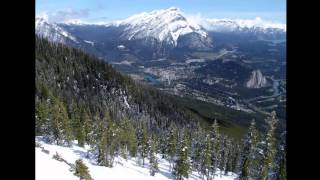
[{"x": 48, "y": 168}]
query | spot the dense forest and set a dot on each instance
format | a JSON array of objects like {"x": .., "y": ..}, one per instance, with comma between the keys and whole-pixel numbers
[{"x": 79, "y": 97}]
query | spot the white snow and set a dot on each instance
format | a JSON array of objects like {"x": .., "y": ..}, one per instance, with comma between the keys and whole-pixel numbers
[
  {"x": 125, "y": 62},
  {"x": 165, "y": 25},
  {"x": 126, "y": 102},
  {"x": 52, "y": 31},
  {"x": 121, "y": 46},
  {"x": 48, "y": 168},
  {"x": 158, "y": 60},
  {"x": 195, "y": 60},
  {"x": 89, "y": 42}
]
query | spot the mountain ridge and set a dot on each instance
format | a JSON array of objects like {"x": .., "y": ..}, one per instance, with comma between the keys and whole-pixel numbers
[{"x": 165, "y": 26}]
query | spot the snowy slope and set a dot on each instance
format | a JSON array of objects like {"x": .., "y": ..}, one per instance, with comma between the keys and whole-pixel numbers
[
  {"x": 48, "y": 168},
  {"x": 164, "y": 25},
  {"x": 52, "y": 31}
]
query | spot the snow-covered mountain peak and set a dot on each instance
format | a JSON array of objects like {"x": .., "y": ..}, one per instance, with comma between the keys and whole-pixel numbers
[
  {"x": 164, "y": 25},
  {"x": 41, "y": 21},
  {"x": 241, "y": 24},
  {"x": 52, "y": 31}
]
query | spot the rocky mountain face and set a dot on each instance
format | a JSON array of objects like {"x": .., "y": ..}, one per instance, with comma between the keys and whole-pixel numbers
[
  {"x": 165, "y": 26},
  {"x": 257, "y": 80}
]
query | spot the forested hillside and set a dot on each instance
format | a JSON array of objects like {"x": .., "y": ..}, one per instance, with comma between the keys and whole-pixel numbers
[{"x": 79, "y": 97}]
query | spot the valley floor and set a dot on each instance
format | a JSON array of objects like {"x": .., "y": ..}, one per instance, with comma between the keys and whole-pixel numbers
[{"x": 48, "y": 168}]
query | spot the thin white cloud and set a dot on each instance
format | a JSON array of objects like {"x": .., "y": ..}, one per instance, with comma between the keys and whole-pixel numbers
[{"x": 65, "y": 16}]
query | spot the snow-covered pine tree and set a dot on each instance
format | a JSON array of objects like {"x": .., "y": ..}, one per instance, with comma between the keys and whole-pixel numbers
[
  {"x": 42, "y": 118},
  {"x": 281, "y": 170},
  {"x": 102, "y": 147},
  {"x": 60, "y": 124},
  {"x": 197, "y": 148},
  {"x": 123, "y": 138},
  {"x": 215, "y": 141},
  {"x": 81, "y": 170},
  {"x": 78, "y": 129},
  {"x": 182, "y": 165},
  {"x": 172, "y": 145},
  {"x": 225, "y": 151},
  {"x": 153, "y": 160},
  {"x": 103, "y": 137},
  {"x": 229, "y": 155},
  {"x": 113, "y": 134},
  {"x": 87, "y": 126},
  {"x": 235, "y": 156},
  {"x": 127, "y": 138},
  {"x": 163, "y": 140},
  {"x": 249, "y": 147},
  {"x": 269, "y": 149},
  {"x": 143, "y": 142},
  {"x": 80, "y": 134},
  {"x": 205, "y": 158},
  {"x": 222, "y": 153},
  {"x": 131, "y": 138}
]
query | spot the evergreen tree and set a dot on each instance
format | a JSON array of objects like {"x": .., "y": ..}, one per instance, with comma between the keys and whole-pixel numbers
[
  {"x": 182, "y": 165},
  {"x": 215, "y": 141},
  {"x": 225, "y": 150},
  {"x": 143, "y": 142},
  {"x": 79, "y": 132},
  {"x": 282, "y": 174},
  {"x": 42, "y": 118},
  {"x": 132, "y": 141},
  {"x": 87, "y": 126},
  {"x": 113, "y": 133},
  {"x": 281, "y": 169},
  {"x": 172, "y": 143},
  {"x": 230, "y": 156},
  {"x": 81, "y": 170},
  {"x": 152, "y": 157},
  {"x": 199, "y": 142},
  {"x": 61, "y": 127},
  {"x": 248, "y": 151},
  {"x": 101, "y": 140},
  {"x": 205, "y": 157},
  {"x": 235, "y": 156},
  {"x": 103, "y": 155},
  {"x": 269, "y": 149},
  {"x": 128, "y": 138}
]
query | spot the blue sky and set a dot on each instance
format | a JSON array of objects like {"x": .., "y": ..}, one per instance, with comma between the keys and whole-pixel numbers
[{"x": 108, "y": 10}]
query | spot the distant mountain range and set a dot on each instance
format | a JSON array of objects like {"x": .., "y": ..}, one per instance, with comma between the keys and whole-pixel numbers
[{"x": 157, "y": 32}]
